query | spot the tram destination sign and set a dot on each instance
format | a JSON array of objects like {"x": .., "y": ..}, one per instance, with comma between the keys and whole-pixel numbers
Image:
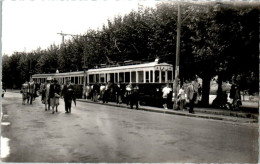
[{"x": 163, "y": 68}]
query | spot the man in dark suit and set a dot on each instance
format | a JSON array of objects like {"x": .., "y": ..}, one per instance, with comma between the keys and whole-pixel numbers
[
  {"x": 31, "y": 91},
  {"x": 191, "y": 96},
  {"x": 134, "y": 98},
  {"x": 54, "y": 95},
  {"x": 68, "y": 94}
]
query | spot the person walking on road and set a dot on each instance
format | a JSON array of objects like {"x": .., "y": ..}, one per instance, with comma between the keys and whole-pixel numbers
[
  {"x": 46, "y": 90},
  {"x": 166, "y": 90},
  {"x": 191, "y": 96},
  {"x": 54, "y": 95},
  {"x": 24, "y": 91},
  {"x": 31, "y": 91},
  {"x": 68, "y": 95}
]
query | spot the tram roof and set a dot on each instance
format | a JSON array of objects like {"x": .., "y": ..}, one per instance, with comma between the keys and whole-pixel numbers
[
  {"x": 125, "y": 67},
  {"x": 117, "y": 68}
]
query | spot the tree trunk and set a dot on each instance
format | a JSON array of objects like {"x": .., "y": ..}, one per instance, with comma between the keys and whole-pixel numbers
[{"x": 205, "y": 91}]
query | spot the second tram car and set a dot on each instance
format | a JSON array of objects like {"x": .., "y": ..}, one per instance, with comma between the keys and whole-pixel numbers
[{"x": 150, "y": 78}]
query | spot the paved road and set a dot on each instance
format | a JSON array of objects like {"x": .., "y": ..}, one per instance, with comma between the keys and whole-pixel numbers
[{"x": 99, "y": 133}]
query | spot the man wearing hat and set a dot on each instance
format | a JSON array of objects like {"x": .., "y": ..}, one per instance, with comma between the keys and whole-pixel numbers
[
  {"x": 47, "y": 93},
  {"x": 54, "y": 95},
  {"x": 31, "y": 90},
  {"x": 68, "y": 94}
]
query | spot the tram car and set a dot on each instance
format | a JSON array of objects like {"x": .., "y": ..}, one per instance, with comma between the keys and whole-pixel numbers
[{"x": 150, "y": 77}]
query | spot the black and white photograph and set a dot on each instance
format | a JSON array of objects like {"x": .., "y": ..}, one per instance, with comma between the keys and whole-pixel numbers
[{"x": 130, "y": 81}]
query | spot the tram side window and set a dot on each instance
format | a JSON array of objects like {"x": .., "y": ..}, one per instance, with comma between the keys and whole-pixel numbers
[
  {"x": 91, "y": 78},
  {"x": 102, "y": 78},
  {"x": 169, "y": 76},
  {"x": 97, "y": 78},
  {"x": 72, "y": 80},
  {"x": 127, "y": 77},
  {"x": 76, "y": 80},
  {"x": 133, "y": 76},
  {"x": 82, "y": 80},
  {"x": 151, "y": 76},
  {"x": 147, "y": 76},
  {"x": 163, "y": 76},
  {"x": 108, "y": 77},
  {"x": 116, "y": 77},
  {"x": 140, "y": 76},
  {"x": 157, "y": 76},
  {"x": 112, "y": 79},
  {"x": 121, "y": 77}
]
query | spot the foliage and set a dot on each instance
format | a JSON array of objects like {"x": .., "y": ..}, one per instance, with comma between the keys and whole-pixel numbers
[{"x": 215, "y": 40}]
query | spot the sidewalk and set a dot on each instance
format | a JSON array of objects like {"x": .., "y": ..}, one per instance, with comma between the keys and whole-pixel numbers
[{"x": 207, "y": 113}]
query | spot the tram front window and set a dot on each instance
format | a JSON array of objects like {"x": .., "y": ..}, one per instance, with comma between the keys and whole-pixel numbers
[
  {"x": 91, "y": 78},
  {"x": 97, "y": 78},
  {"x": 163, "y": 76},
  {"x": 169, "y": 75},
  {"x": 157, "y": 76}
]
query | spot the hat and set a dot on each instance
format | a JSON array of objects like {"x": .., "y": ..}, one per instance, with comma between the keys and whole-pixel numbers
[{"x": 49, "y": 78}]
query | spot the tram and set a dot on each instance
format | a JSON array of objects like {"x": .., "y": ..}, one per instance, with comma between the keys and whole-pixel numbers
[{"x": 150, "y": 78}]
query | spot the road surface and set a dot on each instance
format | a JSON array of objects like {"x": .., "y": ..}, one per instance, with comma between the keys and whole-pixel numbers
[{"x": 100, "y": 133}]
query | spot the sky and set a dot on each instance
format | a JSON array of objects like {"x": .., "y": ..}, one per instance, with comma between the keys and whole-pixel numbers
[{"x": 27, "y": 25}]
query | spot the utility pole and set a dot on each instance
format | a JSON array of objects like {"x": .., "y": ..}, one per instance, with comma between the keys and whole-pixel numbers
[
  {"x": 177, "y": 57},
  {"x": 84, "y": 66},
  {"x": 84, "y": 69}
]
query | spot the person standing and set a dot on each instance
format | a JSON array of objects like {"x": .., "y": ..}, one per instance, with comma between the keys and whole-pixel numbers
[
  {"x": 24, "y": 91},
  {"x": 31, "y": 91},
  {"x": 46, "y": 90},
  {"x": 134, "y": 98},
  {"x": 182, "y": 98},
  {"x": 166, "y": 90},
  {"x": 119, "y": 92},
  {"x": 102, "y": 91},
  {"x": 88, "y": 91},
  {"x": 54, "y": 95},
  {"x": 95, "y": 92},
  {"x": 107, "y": 92},
  {"x": 128, "y": 93},
  {"x": 42, "y": 91},
  {"x": 68, "y": 94},
  {"x": 191, "y": 96}
]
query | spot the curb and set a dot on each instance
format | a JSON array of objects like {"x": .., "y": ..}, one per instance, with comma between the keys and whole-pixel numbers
[{"x": 232, "y": 117}]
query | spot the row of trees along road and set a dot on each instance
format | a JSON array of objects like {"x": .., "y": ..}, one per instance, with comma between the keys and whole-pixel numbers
[{"x": 216, "y": 39}]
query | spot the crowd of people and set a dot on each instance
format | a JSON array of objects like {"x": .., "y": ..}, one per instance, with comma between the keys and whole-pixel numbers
[
  {"x": 188, "y": 94},
  {"x": 114, "y": 92},
  {"x": 51, "y": 91}
]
